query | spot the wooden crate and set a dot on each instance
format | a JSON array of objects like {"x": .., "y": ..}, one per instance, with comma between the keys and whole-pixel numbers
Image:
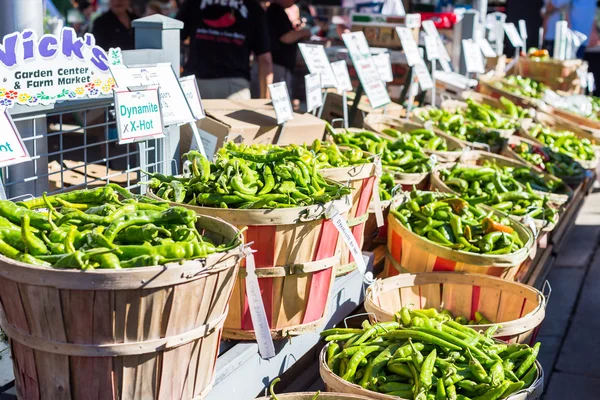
[{"x": 140, "y": 333}]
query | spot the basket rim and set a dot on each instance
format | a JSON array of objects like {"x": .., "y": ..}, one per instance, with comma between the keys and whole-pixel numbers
[{"x": 381, "y": 286}]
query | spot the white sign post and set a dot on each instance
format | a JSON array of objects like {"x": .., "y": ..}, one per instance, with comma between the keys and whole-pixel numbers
[
  {"x": 523, "y": 32},
  {"x": 383, "y": 63},
  {"x": 317, "y": 63},
  {"x": 12, "y": 149},
  {"x": 139, "y": 115},
  {"x": 431, "y": 47},
  {"x": 344, "y": 85},
  {"x": 515, "y": 38},
  {"x": 443, "y": 56},
  {"x": 473, "y": 57},
  {"x": 414, "y": 59},
  {"x": 174, "y": 104},
  {"x": 314, "y": 100},
  {"x": 282, "y": 105},
  {"x": 189, "y": 85},
  {"x": 486, "y": 48}
]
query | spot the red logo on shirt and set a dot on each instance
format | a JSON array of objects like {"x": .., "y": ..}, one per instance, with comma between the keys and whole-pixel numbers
[{"x": 224, "y": 21}]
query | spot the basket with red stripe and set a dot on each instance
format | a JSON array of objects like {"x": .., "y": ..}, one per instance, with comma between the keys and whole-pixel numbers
[
  {"x": 360, "y": 178},
  {"x": 518, "y": 308},
  {"x": 409, "y": 252}
]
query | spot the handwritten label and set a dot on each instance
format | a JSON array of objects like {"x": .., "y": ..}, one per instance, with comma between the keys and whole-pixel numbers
[
  {"x": 260, "y": 323},
  {"x": 317, "y": 63},
  {"x": 411, "y": 50},
  {"x": 281, "y": 102},
  {"x": 138, "y": 115},
  {"x": 513, "y": 35},
  {"x": 12, "y": 149},
  {"x": 412, "y": 21},
  {"x": 340, "y": 224},
  {"x": 174, "y": 105},
  {"x": 431, "y": 46},
  {"x": 383, "y": 63},
  {"x": 486, "y": 48},
  {"x": 314, "y": 99},
  {"x": 189, "y": 85},
  {"x": 423, "y": 76},
  {"x": 473, "y": 56},
  {"x": 340, "y": 69}
]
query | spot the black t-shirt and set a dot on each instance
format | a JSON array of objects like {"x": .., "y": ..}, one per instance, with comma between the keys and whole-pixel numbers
[
  {"x": 222, "y": 37},
  {"x": 280, "y": 24},
  {"x": 110, "y": 32}
]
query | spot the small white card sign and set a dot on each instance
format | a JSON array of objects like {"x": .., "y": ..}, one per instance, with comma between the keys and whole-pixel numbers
[
  {"x": 12, "y": 149},
  {"x": 412, "y": 21},
  {"x": 409, "y": 46},
  {"x": 486, "y": 48},
  {"x": 423, "y": 76},
  {"x": 138, "y": 115},
  {"x": 317, "y": 63},
  {"x": 314, "y": 99},
  {"x": 431, "y": 46},
  {"x": 513, "y": 35},
  {"x": 342, "y": 76},
  {"x": 174, "y": 105},
  {"x": 523, "y": 29},
  {"x": 431, "y": 30},
  {"x": 281, "y": 102},
  {"x": 383, "y": 63},
  {"x": 591, "y": 82},
  {"x": 189, "y": 85},
  {"x": 473, "y": 56}
]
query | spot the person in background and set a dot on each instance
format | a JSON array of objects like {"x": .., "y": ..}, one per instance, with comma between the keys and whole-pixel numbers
[
  {"x": 222, "y": 35},
  {"x": 284, "y": 38},
  {"x": 579, "y": 13},
  {"x": 154, "y": 7},
  {"x": 113, "y": 28}
]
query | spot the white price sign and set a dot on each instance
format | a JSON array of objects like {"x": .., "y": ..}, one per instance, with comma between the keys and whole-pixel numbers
[
  {"x": 423, "y": 76},
  {"x": 486, "y": 48},
  {"x": 523, "y": 29},
  {"x": 138, "y": 115},
  {"x": 383, "y": 63},
  {"x": 431, "y": 30},
  {"x": 409, "y": 46},
  {"x": 317, "y": 63},
  {"x": 513, "y": 35},
  {"x": 340, "y": 224},
  {"x": 412, "y": 20},
  {"x": 314, "y": 98},
  {"x": 189, "y": 85},
  {"x": 591, "y": 82},
  {"x": 473, "y": 56},
  {"x": 445, "y": 66},
  {"x": 431, "y": 46},
  {"x": 342, "y": 76},
  {"x": 174, "y": 105},
  {"x": 12, "y": 149},
  {"x": 359, "y": 51},
  {"x": 281, "y": 102}
]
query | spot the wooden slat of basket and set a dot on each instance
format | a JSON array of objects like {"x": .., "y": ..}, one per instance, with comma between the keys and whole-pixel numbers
[
  {"x": 511, "y": 306},
  {"x": 489, "y": 302},
  {"x": 457, "y": 297},
  {"x": 432, "y": 295}
]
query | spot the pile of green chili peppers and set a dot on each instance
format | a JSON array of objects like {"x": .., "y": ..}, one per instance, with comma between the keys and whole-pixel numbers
[
  {"x": 329, "y": 155},
  {"x": 461, "y": 319},
  {"x": 257, "y": 177},
  {"x": 564, "y": 142},
  {"x": 387, "y": 186},
  {"x": 405, "y": 154},
  {"x": 557, "y": 164},
  {"x": 522, "y": 86},
  {"x": 501, "y": 189},
  {"x": 452, "y": 222},
  {"x": 425, "y": 138},
  {"x": 509, "y": 109},
  {"x": 428, "y": 356},
  {"x": 89, "y": 229}
]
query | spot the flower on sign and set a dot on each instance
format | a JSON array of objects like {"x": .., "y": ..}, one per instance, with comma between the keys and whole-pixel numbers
[
  {"x": 33, "y": 100},
  {"x": 23, "y": 97},
  {"x": 94, "y": 92},
  {"x": 80, "y": 90},
  {"x": 12, "y": 95},
  {"x": 106, "y": 88},
  {"x": 89, "y": 86},
  {"x": 6, "y": 102},
  {"x": 72, "y": 95},
  {"x": 2, "y": 92},
  {"x": 110, "y": 81},
  {"x": 98, "y": 82}
]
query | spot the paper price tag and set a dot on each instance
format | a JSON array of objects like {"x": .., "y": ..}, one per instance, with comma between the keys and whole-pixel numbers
[
  {"x": 523, "y": 29},
  {"x": 317, "y": 63},
  {"x": 12, "y": 149},
  {"x": 357, "y": 45},
  {"x": 411, "y": 50},
  {"x": 333, "y": 214},
  {"x": 139, "y": 115},
  {"x": 429, "y": 28},
  {"x": 189, "y": 85},
  {"x": 412, "y": 21},
  {"x": 511, "y": 31},
  {"x": 431, "y": 46},
  {"x": 376, "y": 198},
  {"x": 257, "y": 309},
  {"x": 281, "y": 102},
  {"x": 486, "y": 48},
  {"x": 383, "y": 63},
  {"x": 433, "y": 160},
  {"x": 425, "y": 81},
  {"x": 312, "y": 84},
  {"x": 340, "y": 69},
  {"x": 473, "y": 57}
]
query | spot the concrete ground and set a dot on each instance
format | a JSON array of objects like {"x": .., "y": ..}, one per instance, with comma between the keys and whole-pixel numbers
[{"x": 570, "y": 348}]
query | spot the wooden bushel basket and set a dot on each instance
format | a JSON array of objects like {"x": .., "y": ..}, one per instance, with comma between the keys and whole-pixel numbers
[
  {"x": 452, "y": 105},
  {"x": 518, "y": 308},
  {"x": 377, "y": 123},
  {"x": 558, "y": 74},
  {"x": 297, "y": 250},
  {"x": 334, "y": 383},
  {"x": 322, "y": 396},
  {"x": 409, "y": 252},
  {"x": 488, "y": 87},
  {"x": 361, "y": 179},
  {"x": 139, "y": 333}
]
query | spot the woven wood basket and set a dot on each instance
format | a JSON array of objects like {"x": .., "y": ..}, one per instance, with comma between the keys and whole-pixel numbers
[
  {"x": 297, "y": 252},
  {"x": 322, "y": 396},
  {"x": 334, "y": 383},
  {"x": 377, "y": 123},
  {"x": 451, "y": 105},
  {"x": 488, "y": 87},
  {"x": 558, "y": 74},
  {"x": 140, "y": 333},
  {"x": 519, "y": 308},
  {"x": 409, "y": 252}
]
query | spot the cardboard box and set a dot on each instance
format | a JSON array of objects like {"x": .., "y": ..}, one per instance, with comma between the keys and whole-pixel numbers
[
  {"x": 334, "y": 109},
  {"x": 251, "y": 121}
]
